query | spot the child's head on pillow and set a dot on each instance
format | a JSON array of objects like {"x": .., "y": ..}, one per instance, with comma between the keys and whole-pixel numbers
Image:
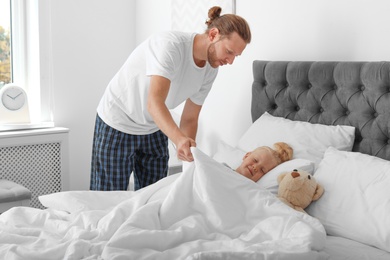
[{"x": 261, "y": 160}]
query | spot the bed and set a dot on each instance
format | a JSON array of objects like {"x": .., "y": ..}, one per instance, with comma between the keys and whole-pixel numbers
[
  {"x": 336, "y": 117},
  {"x": 356, "y": 206}
]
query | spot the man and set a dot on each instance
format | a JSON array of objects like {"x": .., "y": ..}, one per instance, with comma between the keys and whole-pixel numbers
[{"x": 133, "y": 121}]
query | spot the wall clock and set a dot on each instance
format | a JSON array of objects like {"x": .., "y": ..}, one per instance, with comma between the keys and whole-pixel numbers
[{"x": 14, "y": 104}]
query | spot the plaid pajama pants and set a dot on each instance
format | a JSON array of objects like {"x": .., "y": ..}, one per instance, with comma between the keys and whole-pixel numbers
[{"x": 115, "y": 155}]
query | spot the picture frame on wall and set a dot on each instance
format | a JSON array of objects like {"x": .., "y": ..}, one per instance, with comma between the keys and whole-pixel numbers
[{"x": 191, "y": 15}]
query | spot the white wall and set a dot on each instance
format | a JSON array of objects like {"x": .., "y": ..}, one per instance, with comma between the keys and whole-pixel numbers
[
  {"x": 351, "y": 30},
  {"x": 92, "y": 38},
  {"x": 152, "y": 16}
]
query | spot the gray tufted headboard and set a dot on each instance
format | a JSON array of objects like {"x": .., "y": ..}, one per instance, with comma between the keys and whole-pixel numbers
[{"x": 330, "y": 93}]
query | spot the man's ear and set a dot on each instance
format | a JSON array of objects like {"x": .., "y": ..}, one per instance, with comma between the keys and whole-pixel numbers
[{"x": 214, "y": 34}]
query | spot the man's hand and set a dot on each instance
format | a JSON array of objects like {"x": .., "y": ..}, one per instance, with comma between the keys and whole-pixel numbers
[{"x": 183, "y": 149}]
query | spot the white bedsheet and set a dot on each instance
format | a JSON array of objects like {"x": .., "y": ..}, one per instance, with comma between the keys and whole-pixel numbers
[
  {"x": 206, "y": 212},
  {"x": 345, "y": 249}
]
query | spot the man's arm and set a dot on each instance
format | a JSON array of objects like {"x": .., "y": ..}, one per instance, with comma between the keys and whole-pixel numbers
[
  {"x": 158, "y": 92},
  {"x": 189, "y": 119}
]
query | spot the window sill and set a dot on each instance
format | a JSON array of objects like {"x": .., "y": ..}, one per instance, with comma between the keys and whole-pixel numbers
[
  {"x": 32, "y": 132},
  {"x": 24, "y": 126}
]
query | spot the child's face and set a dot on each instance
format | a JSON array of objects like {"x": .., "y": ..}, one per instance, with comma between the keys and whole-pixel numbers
[{"x": 257, "y": 163}]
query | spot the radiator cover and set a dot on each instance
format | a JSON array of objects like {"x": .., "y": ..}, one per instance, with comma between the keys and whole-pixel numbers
[{"x": 36, "y": 159}]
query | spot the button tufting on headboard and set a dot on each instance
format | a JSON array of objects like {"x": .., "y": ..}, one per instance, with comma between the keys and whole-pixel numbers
[{"x": 331, "y": 93}]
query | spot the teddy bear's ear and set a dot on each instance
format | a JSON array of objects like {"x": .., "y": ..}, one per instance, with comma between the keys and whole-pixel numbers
[
  {"x": 318, "y": 193},
  {"x": 281, "y": 176}
]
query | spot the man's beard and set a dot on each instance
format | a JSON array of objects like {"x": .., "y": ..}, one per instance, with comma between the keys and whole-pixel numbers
[{"x": 212, "y": 57}]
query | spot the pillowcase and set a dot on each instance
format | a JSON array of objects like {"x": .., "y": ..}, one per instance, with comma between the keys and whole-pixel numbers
[
  {"x": 234, "y": 156},
  {"x": 229, "y": 155},
  {"x": 308, "y": 140},
  {"x": 269, "y": 180},
  {"x": 356, "y": 202}
]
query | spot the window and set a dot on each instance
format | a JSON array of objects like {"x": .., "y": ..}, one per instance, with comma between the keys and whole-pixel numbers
[
  {"x": 5, "y": 43},
  {"x": 30, "y": 63}
]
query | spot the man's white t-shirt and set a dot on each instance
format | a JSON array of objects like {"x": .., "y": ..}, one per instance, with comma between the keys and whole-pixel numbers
[{"x": 168, "y": 54}]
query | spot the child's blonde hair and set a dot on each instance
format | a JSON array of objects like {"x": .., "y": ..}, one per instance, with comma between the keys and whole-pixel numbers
[{"x": 282, "y": 152}]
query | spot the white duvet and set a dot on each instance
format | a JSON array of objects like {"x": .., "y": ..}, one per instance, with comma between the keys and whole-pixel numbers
[{"x": 206, "y": 212}]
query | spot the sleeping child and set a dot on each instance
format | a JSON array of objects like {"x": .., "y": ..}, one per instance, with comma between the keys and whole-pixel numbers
[{"x": 258, "y": 162}]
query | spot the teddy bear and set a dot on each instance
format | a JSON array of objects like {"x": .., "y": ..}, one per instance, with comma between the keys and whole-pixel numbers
[{"x": 298, "y": 189}]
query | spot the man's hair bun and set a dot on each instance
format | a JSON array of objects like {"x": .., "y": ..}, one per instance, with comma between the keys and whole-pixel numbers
[{"x": 214, "y": 13}]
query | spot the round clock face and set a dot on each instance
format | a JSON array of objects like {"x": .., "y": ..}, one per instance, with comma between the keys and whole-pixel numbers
[{"x": 13, "y": 98}]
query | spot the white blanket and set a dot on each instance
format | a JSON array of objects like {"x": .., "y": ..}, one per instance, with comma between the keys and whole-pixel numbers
[{"x": 206, "y": 212}]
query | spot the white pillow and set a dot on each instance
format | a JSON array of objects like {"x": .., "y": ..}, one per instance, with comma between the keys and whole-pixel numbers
[
  {"x": 229, "y": 155},
  {"x": 269, "y": 180},
  {"x": 356, "y": 202},
  {"x": 234, "y": 156},
  {"x": 308, "y": 140}
]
